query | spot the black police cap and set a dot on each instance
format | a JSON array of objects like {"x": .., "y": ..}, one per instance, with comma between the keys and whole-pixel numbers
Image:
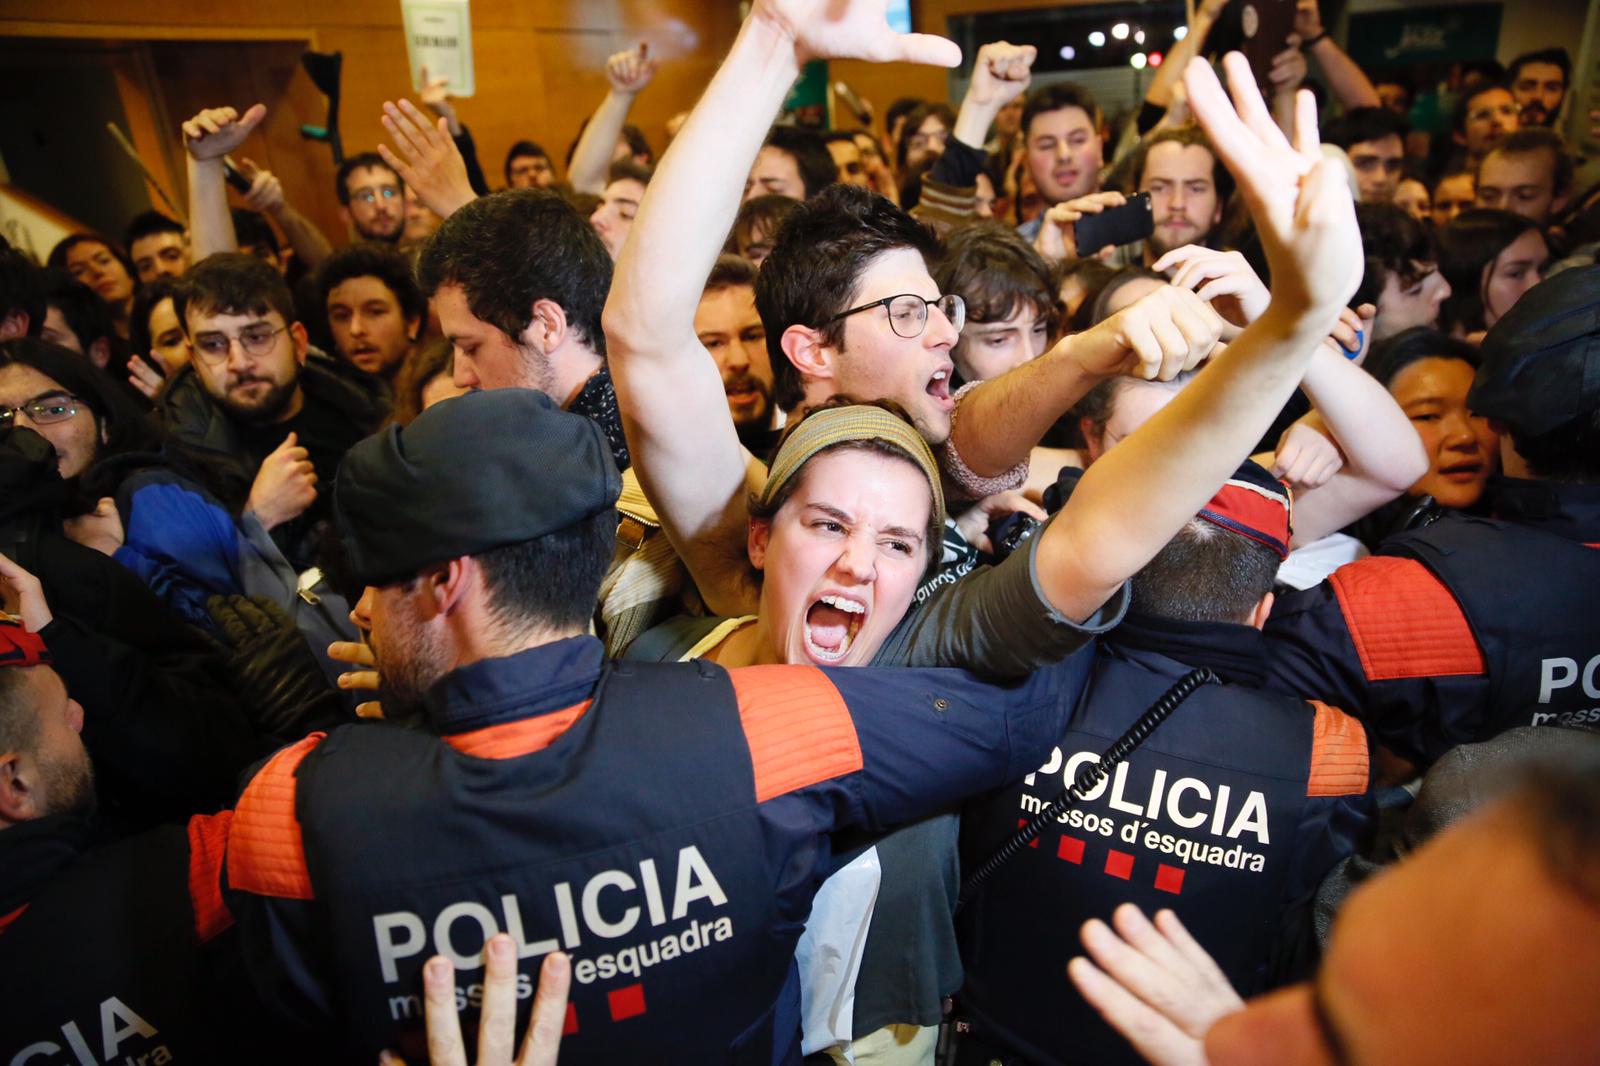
[
  {"x": 1541, "y": 360},
  {"x": 472, "y": 473}
]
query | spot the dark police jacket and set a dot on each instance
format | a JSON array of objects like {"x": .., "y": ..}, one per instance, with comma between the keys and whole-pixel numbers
[
  {"x": 1229, "y": 814},
  {"x": 101, "y": 949},
  {"x": 665, "y": 824},
  {"x": 1459, "y": 631}
]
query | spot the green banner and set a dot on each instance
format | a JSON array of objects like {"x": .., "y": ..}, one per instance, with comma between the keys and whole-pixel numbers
[
  {"x": 1424, "y": 35},
  {"x": 808, "y": 96}
]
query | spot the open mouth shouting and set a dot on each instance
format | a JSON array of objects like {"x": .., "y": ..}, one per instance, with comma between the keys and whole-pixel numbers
[
  {"x": 832, "y": 623},
  {"x": 939, "y": 387}
]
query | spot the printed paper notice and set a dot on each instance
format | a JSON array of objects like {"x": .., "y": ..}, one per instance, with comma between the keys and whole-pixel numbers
[{"x": 439, "y": 37}]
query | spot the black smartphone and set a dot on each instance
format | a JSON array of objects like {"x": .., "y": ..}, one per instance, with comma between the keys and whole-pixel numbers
[
  {"x": 234, "y": 175},
  {"x": 1264, "y": 27},
  {"x": 1131, "y": 222}
]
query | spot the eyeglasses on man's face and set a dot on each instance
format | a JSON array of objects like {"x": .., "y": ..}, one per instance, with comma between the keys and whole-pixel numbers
[
  {"x": 42, "y": 410},
  {"x": 908, "y": 312},
  {"x": 256, "y": 339}
]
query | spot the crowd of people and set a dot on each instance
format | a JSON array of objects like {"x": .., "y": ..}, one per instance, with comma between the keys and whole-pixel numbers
[{"x": 821, "y": 596}]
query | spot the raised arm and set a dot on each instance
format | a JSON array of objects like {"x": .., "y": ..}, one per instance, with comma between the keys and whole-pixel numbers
[
  {"x": 1383, "y": 455},
  {"x": 669, "y": 391},
  {"x": 1169, "y": 74},
  {"x": 1349, "y": 83},
  {"x": 1139, "y": 494},
  {"x": 629, "y": 72},
  {"x": 310, "y": 246},
  {"x": 209, "y": 136}
]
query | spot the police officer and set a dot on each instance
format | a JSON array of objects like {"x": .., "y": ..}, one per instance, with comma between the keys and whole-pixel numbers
[
  {"x": 1471, "y": 626},
  {"x": 101, "y": 946},
  {"x": 1230, "y": 813},
  {"x": 664, "y": 824}
]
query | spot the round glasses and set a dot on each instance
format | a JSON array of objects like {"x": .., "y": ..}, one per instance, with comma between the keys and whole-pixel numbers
[
  {"x": 254, "y": 339},
  {"x": 908, "y": 312},
  {"x": 44, "y": 411}
]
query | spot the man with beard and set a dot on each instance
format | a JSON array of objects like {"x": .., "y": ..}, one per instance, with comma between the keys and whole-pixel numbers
[
  {"x": 371, "y": 198},
  {"x": 728, "y": 324},
  {"x": 1187, "y": 186},
  {"x": 278, "y": 414},
  {"x": 1539, "y": 84}
]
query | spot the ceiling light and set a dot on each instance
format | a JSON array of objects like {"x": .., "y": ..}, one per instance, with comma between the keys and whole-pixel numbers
[
  {"x": 1097, "y": 38},
  {"x": 1138, "y": 37},
  {"x": 1138, "y": 60},
  {"x": 1180, "y": 32},
  {"x": 1068, "y": 52},
  {"x": 1120, "y": 31}
]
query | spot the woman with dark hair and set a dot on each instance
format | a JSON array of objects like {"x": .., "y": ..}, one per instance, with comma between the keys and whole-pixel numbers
[
  {"x": 1428, "y": 374},
  {"x": 141, "y": 497},
  {"x": 103, "y": 266},
  {"x": 1490, "y": 259},
  {"x": 160, "y": 346}
]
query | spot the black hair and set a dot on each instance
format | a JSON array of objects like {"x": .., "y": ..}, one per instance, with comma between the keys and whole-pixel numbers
[
  {"x": 1057, "y": 97},
  {"x": 847, "y": 136},
  {"x": 88, "y": 316},
  {"x": 146, "y": 223},
  {"x": 816, "y": 262},
  {"x": 551, "y": 581},
  {"x": 368, "y": 259},
  {"x": 1556, "y": 57},
  {"x": 1393, "y": 243},
  {"x": 511, "y": 249},
  {"x": 731, "y": 272},
  {"x": 252, "y": 228},
  {"x": 914, "y": 121},
  {"x": 140, "y": 340},
  {"x": 1570, "y": 452},
  {"x": 21, "y": 289},
  {"x": 628, "y": 170},
  {"x": 1360, "y": 125},
  {"x": 1094, "y": 275},
  {"x": 1393, "y": 354},
  {"x": 523, "y": 150},
  {"x": 810, "y": 154},
  {"x": 638, "y": 144},
  {"x": 766, "y": 213},
  {"x": 1467, "y": 246},
  {"x": 1205, "y": 574},
  {"x": 1531, "y": 139},
  {"x": 996, "y": 271},
  {"x": 232, "y": 283},
  {"x": 903, "y": 105},
  {"x": 358, "y": 162}
]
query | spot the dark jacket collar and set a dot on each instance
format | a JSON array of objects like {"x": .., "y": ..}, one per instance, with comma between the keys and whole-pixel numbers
[
  {"x": 1236, "y": 652},
  {"x": 1564, "y": 509},
  {"x": 533, "y": 682},
  {"x": 34, "y": 852}
]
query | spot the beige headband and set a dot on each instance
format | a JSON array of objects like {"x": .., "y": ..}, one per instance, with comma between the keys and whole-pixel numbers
[{"x": 860, "y": 422}]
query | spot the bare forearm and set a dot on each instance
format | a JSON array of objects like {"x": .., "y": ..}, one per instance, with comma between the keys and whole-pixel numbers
[
  {"x": 309, "y": 245},
  {"x": 1136, "y": 497},
  {"x": 1170, "y": 72},
  {"x": 1001, "y": 420},
  {"x": 210, "y": 221},
  {"x": 591, "y": 159},
  {"x": 1350, "y": 84},
  {"x": 1377, "y": 439}
]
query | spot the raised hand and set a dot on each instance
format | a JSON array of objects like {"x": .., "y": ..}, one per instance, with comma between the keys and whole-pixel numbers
[
  {"x": 427, "y": 160},
  {"x": 285, "y": 485},
  {"x": 1299, "y": 201},
  {"x": 498, "y": 1016},
  {"x": 851, "y": 29},
  {"x": 144, "y": 377},
  {"x": 1222, "y": 279},
  {"x": 1001, "y": 73},
  {"x": 1305, "y": 458},
  {"x": 629, "y": 72},
  {"x": 1058, "y": 233},
  {"x": 1156, "y": 337},
  {"x": 266, "y": 191},
  {"x": 216, "y": 131},
  {"x": 1153, "y": 984}
]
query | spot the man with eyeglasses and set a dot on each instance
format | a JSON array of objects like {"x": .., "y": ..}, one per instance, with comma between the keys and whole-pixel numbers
[
  {"x": 1487, "y": 113},
  {"x": 371, "y": 198},
  {"x": 1375, "y": 140},
  {"x": 275, "y": 412}
]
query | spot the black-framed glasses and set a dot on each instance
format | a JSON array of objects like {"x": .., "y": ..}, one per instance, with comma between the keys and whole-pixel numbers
[
  {"x": 41, "y": 411},
  {"x": 908, "y": 312},
  {"x": 255, "y": 339}
]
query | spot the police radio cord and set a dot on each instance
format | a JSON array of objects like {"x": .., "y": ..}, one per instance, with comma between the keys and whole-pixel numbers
[{"x": 1088, "y": 778}]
